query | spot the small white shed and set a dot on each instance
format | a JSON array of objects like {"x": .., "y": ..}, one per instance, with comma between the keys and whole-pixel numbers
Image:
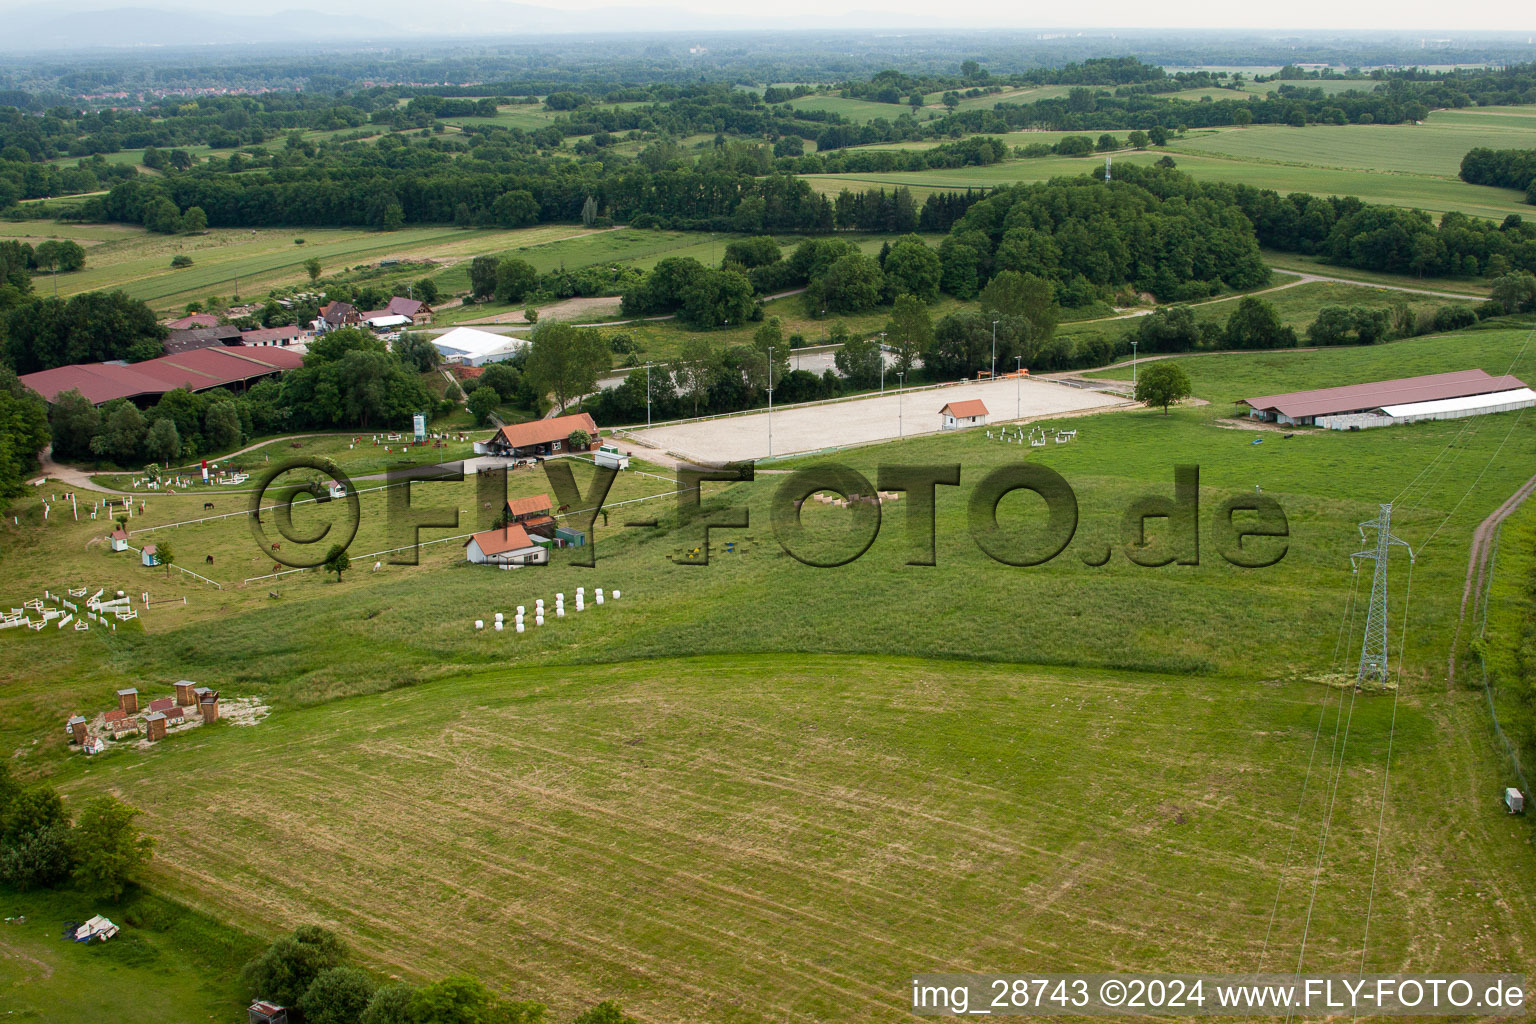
[
  {"x": 959, "y": 415},
  {"x": 509, "y": 545},
  {"x": 1514, "y": 801}
]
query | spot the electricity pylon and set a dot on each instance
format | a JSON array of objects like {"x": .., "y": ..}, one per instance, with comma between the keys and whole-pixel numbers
[{"x": 1373, "y": 652}]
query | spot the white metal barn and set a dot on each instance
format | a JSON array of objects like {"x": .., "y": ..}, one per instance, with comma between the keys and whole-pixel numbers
[{"x": 469, "y": 347}]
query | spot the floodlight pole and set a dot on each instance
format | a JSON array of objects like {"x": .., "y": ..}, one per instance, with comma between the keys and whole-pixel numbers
[
  {"x": 882, "y": 362},
  {"x": 1018, "y": 389},
  {"x": 1133, "y": 364},
  {"x": 902, "y": 378},
  {"x": 647, "y": 396},
  {"x": 770, "y": 401},
  {"x": 994, "y": 351}
]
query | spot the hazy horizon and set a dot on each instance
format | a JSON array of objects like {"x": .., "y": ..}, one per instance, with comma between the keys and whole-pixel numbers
[{"x": 1385, "y": 17}]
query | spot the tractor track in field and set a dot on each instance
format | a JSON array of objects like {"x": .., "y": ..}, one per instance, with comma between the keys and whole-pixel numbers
[{"x": 1473, "y": 591}]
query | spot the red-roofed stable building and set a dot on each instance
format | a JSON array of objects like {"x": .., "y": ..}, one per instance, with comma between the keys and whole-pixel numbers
[
  {"x": 1384, "y": 403},
  {"x": 275, "y": 337},
  {"x": 958, "y": 415},
  {"x": 197, "y": 370},
  {"x": 539, "y": 438}
]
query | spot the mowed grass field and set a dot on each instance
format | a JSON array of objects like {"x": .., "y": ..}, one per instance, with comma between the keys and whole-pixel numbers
[
  {"x": 756, "y": 790},
  {"x": 139, "y": 262},
  {"x": 1398, "y": 165},
  {"x": 787, "y": 837}
]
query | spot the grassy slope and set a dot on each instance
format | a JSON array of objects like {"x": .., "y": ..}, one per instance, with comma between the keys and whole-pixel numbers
[
  {"x": 721, "y": 837},
  {"x": 783, "y": 837},
  {"x": 168, "y": 963}
]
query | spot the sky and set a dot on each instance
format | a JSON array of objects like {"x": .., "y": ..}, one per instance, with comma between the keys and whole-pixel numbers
[
  {"x": 672, "y": 15},
  {"x": 1377, "y": 15}
]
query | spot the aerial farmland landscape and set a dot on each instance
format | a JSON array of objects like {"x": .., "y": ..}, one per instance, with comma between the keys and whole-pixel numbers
[{"x": 637, "y": 514}]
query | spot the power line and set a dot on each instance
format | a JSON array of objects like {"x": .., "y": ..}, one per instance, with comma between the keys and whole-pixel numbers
[
  {"x": 1381, "y": 814},
  {"x": 1322, "y": 846},
  {"x": 1296, "y": 827}
]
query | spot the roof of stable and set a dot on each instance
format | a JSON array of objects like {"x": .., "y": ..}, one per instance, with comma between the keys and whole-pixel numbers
[
  {"x": 529, "y": 506},
  {"x": 497, "y": 542},
  {"x": 962, "y": 410},
  {"x": 1381, "y": 394},
  {"x": 197, "y": 370},
  {"x": 536, "y": 432}
]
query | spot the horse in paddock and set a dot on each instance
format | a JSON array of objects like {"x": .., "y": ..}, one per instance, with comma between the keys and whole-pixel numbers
[
  {"x": 276, "y": 546},
  {"x": 208, "y": 560},
  {"x": 207, "y": 505}
]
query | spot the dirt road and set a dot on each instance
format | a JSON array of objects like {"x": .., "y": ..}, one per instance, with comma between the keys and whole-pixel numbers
[{"x": 1473, "y": 591}]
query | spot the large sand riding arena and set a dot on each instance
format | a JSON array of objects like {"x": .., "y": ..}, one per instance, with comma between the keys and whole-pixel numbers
[{"x": 804, "y": 428}]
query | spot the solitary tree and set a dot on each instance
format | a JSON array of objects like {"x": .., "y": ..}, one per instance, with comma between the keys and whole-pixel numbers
[
  {"x": 109, "y": 847},
  {"x": 165, "y": 556},
  {"x": 1163, "y": 383},
  {"x": 312, "y": 267},
  {"x": 564, "y": 361},
  {"x": 482, "y": 402},
  {"x": 336, "y": 561},
  {"x": 909, "y": 331}
]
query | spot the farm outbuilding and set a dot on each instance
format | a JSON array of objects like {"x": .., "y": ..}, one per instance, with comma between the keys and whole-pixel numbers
[
  {"x": 1514, "y": 801},
  {"x": 119, "y": 539},
  {"x": 154, "y": 724},
  {"x": 185, "y": 697},
  {"x": 77, "y": 729},
  {"x": 226, "y": 366},
  {"x": 208, "y": 706},
  {"x": 150, "y": 555},
  {"x": 1439, "y": 396},
  {"x": 128, "y": 701},
  {"x": 263, "y": 1012},
  {"x": 959, "y": 415},
  {"x": 538, "y": 437},
  {"x": 509, "y": 545},
  {"x": 611, "y": 457}
]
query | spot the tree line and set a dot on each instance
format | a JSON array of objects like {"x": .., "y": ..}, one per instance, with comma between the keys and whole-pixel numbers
[
  {"x": 1351, "y": 232},
  {"x": 311, "y": 971},
  {"x": 1502, "y": 168}
]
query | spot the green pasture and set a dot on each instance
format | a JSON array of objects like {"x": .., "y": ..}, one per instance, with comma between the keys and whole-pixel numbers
[
  {"x": 138, "y": 262},
  {"x": 167, "y": 962},
  {"x": 1109, "y": 744},
  {"x": 857, "y": 111},
  {"x": 1433, "y": 148},
  {"x": 1434, "y": 194}
]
